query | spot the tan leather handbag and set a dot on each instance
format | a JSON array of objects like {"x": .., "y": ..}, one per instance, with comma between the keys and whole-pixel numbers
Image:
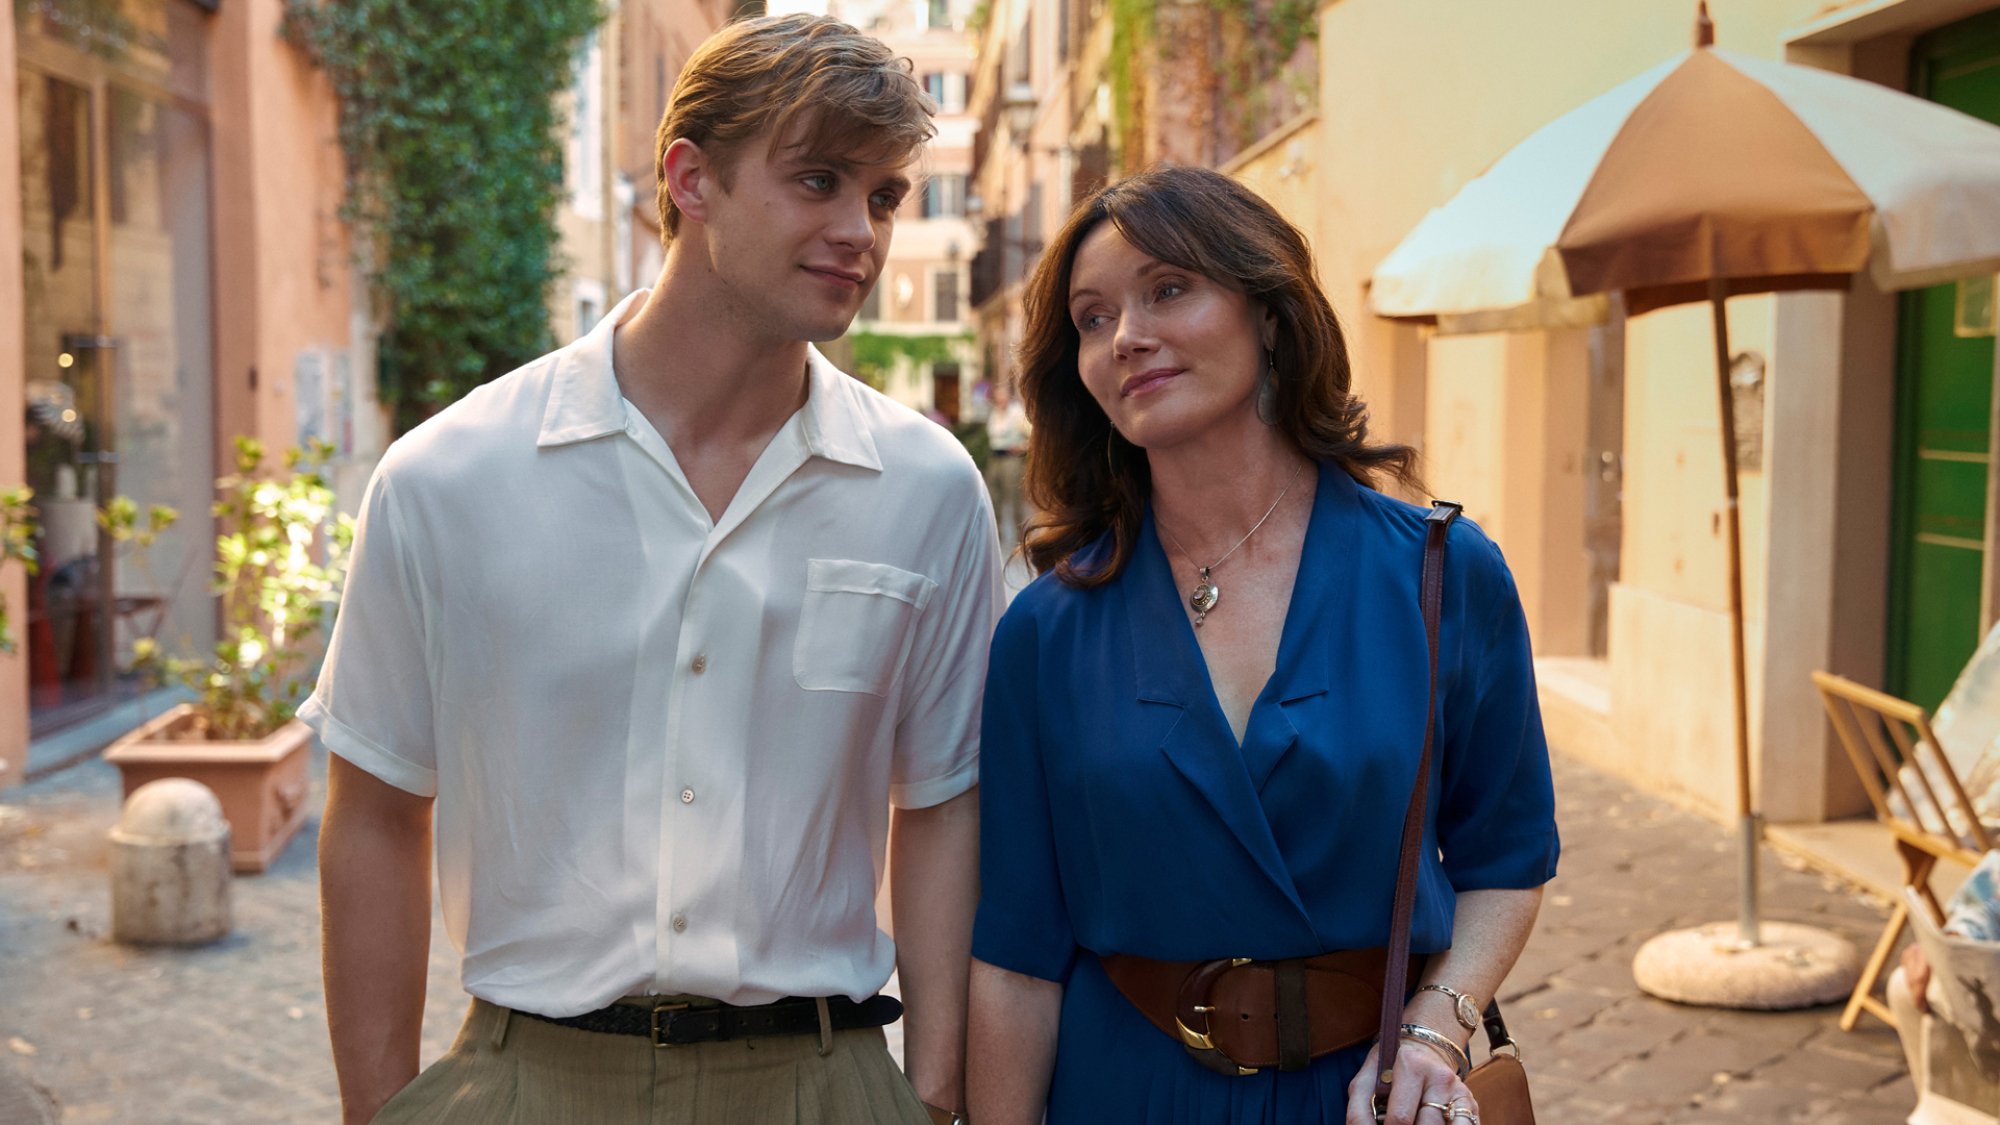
[{"x": 1500, "y": 1084}]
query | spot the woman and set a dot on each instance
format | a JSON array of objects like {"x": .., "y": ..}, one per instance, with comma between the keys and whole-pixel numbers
[{"x": 1203, "y": 719}]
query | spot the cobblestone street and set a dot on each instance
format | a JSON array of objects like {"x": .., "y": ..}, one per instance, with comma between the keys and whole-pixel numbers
[{"x": 235, "y": 1032}]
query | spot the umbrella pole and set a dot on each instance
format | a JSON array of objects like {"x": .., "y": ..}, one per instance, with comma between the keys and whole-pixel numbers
[
  {"x": 1747, "y": 920},
  {"x": 1784, "y": 964}
]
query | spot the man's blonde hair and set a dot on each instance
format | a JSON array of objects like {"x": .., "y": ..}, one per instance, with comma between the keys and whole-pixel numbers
[{"x": 811, "y": 81}]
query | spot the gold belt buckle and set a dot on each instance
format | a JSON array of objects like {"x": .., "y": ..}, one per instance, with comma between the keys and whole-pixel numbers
[
  {"x": 659, "y": 1043},
  {"x": 1201, "y": 1045}
]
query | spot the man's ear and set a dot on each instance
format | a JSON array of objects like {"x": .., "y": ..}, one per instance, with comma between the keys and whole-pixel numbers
[{"x": 690, "y": 176}]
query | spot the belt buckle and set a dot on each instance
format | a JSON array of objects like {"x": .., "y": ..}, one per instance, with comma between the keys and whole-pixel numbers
[
  {"x": 660, "y": 1026},
  {"x": 1198, "y": 1042}
]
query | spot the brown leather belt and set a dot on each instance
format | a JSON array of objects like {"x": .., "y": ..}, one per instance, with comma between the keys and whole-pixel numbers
[{"x": 1238, "y": 1016}]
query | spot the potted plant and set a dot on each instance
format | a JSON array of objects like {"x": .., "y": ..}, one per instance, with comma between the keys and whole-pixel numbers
[
  {"x": 17, "y": 541},
  {"x": 280, "y": 552}
]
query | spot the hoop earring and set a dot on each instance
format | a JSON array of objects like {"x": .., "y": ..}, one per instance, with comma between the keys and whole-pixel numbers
[{"x": 1267, "y": 389}]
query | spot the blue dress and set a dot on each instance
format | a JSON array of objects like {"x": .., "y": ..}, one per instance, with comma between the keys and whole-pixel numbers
[{"x": 1120, "y": 815}]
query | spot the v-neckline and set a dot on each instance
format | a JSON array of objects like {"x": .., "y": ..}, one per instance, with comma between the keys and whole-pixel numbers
[{"x": 1298, "y": 607}]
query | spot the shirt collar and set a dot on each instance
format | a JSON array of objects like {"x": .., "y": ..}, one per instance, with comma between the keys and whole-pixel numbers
[
  {"x": 585, "y": 403},
  {"x": 834, "y": 426}
]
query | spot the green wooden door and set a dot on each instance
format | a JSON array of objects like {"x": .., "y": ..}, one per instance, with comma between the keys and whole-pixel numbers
[{"x": 1943, "y": 423}]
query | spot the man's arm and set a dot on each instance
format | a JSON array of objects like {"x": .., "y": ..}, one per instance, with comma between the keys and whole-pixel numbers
[
  {"x": 375, "y": 907},
  {"x": 934, "y": 886}
]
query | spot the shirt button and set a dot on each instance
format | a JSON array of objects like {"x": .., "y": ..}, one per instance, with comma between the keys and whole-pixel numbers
[
  {"x": 680, "y": 923},
  {"x": 700, "y": 664},
  {"x": 687, "y": 796}
]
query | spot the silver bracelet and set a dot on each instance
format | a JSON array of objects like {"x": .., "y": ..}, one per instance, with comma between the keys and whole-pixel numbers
[{"x": 1452, "y": 1052}]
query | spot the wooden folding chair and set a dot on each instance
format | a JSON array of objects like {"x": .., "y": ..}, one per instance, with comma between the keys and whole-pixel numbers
[{"x": 1881, "y": 734}]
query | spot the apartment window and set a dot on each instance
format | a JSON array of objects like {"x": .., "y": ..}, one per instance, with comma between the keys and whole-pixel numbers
[
  {"x": 938, "y": 13},
  {"x": 944, "y": 294},
  {"x": 947, "y": 90},
  {"x": 944, "y": 196}
]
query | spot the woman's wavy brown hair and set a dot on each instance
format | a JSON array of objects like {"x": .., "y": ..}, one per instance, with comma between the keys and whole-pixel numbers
[{"x": 1085, "y": 479}]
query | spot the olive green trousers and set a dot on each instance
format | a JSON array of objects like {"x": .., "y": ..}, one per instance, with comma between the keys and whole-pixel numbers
[{"x": 509, "y": 1068}]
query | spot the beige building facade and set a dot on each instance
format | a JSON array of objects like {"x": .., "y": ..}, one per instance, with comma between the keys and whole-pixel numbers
[
  {"x": 1594, "y": 455},
  {"x": 913, "y": 335},
  {"x": 609, "y": 218}
]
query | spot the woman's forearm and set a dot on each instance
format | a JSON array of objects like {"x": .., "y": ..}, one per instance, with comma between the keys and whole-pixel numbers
[
  {"x": 1011, "y": 1045},
  {"x": 1489, "y": 930}
]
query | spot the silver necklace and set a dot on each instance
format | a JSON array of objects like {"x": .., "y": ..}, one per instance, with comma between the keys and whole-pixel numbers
[{"x": 1206, "y": 593}]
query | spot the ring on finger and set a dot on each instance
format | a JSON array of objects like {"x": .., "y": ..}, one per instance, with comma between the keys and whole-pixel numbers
[
  {"x": 1439, "y": 1106},
  {"x": 1460, "y": 1109}
]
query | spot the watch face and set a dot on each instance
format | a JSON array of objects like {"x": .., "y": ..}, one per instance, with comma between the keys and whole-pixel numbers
[{"x": 1468, "y": 1012}]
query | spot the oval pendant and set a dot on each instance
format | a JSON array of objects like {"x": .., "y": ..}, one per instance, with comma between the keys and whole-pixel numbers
[{"x": 1204, "y": 597}]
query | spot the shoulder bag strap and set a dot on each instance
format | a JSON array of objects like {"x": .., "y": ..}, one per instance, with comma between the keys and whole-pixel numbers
[{"x": 1431, "y": 593}]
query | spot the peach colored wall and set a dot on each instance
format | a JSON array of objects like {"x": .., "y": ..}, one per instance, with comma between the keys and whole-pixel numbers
[
  {"x": 1283, "y": 168},
  {"x": 283, "y": 282},
  {"x": 302, "y": 253},
  {"x": 1502, "y": 420},
  {"x": 13, "y": 584},
  {"x": 1504, "y": 435},
  {"x": 237, "y": 291}
]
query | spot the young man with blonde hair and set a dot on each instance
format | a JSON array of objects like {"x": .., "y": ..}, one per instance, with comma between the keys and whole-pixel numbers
[{"x": 662, "y": 626}]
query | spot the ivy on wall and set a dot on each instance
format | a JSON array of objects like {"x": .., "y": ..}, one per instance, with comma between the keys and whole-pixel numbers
[
  {"x": 1131, "y": 33},
  {"x": 449, "y": 124},
  {"x": 876, "y": 353},
  {"x": 1235, "y": 51}
]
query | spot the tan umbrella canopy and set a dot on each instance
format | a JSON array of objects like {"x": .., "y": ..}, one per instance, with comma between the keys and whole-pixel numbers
[
  {"x": 1710, "y": 166},
  {"x": 1713, "y": 174}
]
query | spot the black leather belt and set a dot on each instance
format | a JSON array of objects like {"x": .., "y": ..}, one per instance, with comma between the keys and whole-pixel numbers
[{"x": 679, "y": 1023}]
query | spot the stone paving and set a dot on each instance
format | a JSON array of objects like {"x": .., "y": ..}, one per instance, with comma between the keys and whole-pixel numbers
[{"x": 91, "y": 1031}]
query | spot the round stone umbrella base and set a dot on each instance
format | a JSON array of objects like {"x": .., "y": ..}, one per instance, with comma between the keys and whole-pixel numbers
[{"x": 1793, "y": 967}]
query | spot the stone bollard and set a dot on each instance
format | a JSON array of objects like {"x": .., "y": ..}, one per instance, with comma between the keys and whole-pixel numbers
[{"x": 170, "y": 865}]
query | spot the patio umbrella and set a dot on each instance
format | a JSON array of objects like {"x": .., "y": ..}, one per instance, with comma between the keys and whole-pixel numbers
[
  {"x": 1710, "y": 175},
  {"x": 1711, "y": 167}
]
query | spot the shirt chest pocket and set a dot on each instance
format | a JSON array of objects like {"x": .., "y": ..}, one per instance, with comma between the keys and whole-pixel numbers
[{"x": 855, "y": 626}]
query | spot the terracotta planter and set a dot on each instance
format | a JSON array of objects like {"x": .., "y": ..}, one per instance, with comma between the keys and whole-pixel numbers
[{"x": 262, "y": 784}]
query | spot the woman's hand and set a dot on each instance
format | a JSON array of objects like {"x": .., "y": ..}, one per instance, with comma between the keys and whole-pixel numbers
[{"x": 1427, "y": 1090}]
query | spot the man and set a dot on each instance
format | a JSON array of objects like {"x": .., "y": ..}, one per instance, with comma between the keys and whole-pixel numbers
[{"x": 666, "y": 622}]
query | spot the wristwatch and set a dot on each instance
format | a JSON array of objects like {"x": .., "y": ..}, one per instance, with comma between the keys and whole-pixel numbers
[
  {"x": 1467, "y": 1008},
  {"x": 945, "y": 1116}
]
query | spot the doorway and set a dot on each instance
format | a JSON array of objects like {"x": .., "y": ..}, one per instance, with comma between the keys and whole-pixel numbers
[
  {"x": 119, "y": 389},
  {"x": 1944, "y": 399}
]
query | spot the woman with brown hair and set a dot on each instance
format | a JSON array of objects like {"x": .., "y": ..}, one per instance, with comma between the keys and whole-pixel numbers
[{"x": 1202, "y": 721}]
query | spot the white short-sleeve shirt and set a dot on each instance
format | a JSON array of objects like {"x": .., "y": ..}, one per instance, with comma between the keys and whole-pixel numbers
[{"x": 663, "y": 747}]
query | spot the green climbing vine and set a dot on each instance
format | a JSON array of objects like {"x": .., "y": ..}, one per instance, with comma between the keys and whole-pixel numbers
[
  {"x": 876, "y": 353},
  {"x": 1240, "y": 56},
  {"x": 1259, "y": 38},
  {"x": 450, "y": 127},
  {"x": 1131, "y": 34}
]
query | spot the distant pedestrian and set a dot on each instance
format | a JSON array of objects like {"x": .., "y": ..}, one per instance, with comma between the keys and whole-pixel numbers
[
  {"x": 1204, "y": 719},
  {"x": 1007, "y": 436},
  {"x": 663, "y": 625}
]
